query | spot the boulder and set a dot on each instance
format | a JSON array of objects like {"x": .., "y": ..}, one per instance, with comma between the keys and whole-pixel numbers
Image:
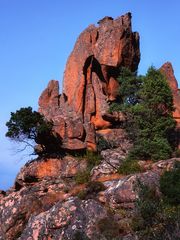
[
  {"x": 39, "y": 185},
  {"x": 111, "y": 161},
  {"x": 39, "y": 169},
  {"x": 18, "y": 206},
  {"x": 66, "y": 220}
]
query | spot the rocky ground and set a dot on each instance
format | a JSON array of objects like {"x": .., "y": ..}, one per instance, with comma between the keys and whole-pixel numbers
[{"x": 46, "y": 202}]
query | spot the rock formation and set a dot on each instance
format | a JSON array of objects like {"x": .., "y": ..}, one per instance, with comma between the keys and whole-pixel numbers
[
  {"x": 90, "y": 81},
  {"x": 168, "y": 71},
  {"x": 46, "y": 200}
]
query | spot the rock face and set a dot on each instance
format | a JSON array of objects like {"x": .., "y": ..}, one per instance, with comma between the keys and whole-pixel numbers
[
  {"x": 39, "y": 186},
  {"x": 90, "y": 81},
  {"x": 91, "y": 69},
  {"x": 49, "y": 168},
  {"x": 45, "y": 205},
  {"x": 167, "y": 69},
  {"x": 66, "y": 221}
]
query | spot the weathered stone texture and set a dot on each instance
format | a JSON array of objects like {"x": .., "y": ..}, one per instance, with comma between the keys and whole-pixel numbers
[
  {"x": 47, "y": 207},
  {"x": 66, "y": 220},
  {"x": 168, "y": 71},
  {"x": 90, "y": 81}
]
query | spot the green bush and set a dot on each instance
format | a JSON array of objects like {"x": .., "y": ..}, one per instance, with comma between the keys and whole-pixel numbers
[
  {"x": 93, "y": 159},
  {"x": 82, "y": 194},
  {"x": 147, "y": 204},
  {"x": 155, "y": 149},
  {"x": 103, "y": 144},
  {"x": 82, "y": 177},
  {"x": 170, "y": 185},
  {"x": 129, "y": 167},
  {"x": 154, "y": 219},
  {"x": 177, "y": 153},
  {"x": 95, "y": 187}
]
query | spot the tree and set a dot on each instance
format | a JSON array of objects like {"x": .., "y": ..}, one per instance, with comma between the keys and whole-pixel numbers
[
  {"x": 149, "y": 114},
  {"x": 128, "y": 95},
  {"x": 130, "y": 84},
  {"x": 154, "y": 117},
  {"x": 29, "y": 127}
]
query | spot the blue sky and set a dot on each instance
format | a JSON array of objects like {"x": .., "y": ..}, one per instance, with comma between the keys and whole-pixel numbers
[{"x": 37, "y": 36}]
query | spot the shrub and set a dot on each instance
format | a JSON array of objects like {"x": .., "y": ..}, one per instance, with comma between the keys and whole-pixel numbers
[
  {"x": 95, "y": 187},
  {"x": 170, "y": 185},
  {"x": 108, "y": 228},
  {"x": 93, "y": 159},
  {"x": 147, "y": 204},
  {"x": 154, "y": 219},
  {"x": 177, "y": 153},
  {"x": 82, "y": 177},
  {"x": 79, "y": 235},
  {"x": 103, "y": 144},
  {"x": 129, "y": 167},
  {"x": 82, "y": 194},
  {"x": 156, "y": 149}
]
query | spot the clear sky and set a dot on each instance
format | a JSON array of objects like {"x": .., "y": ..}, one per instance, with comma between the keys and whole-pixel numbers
[{"x": 36, "y": 37}]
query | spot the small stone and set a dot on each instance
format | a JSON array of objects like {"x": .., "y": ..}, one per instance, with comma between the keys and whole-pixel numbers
[{"x": 74, "y": 227}]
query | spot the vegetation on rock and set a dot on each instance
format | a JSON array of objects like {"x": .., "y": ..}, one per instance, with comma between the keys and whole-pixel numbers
[
  {"x": 147, "y": 103},
  {"x": 158, "y": 217},
  {"x": 92, "y": 159},
  {"x": 108, "y": 228},
  {"x": 82, "y": 177},
  {"x": 170, "y": 185},
  {"x": 129, "y": 166}
]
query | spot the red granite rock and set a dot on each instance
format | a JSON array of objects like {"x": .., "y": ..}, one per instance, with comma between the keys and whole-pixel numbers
[
  {"x": 50, "y": 96},
  {"x": 123, "y": 192},
  {"x": 92, "y": 66},
  {"x": 90, "y": 81},
  {"x": 49, "y": 167},
  {"x": 46, "y": 203},
  {"x": 167, "y": 69}
]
